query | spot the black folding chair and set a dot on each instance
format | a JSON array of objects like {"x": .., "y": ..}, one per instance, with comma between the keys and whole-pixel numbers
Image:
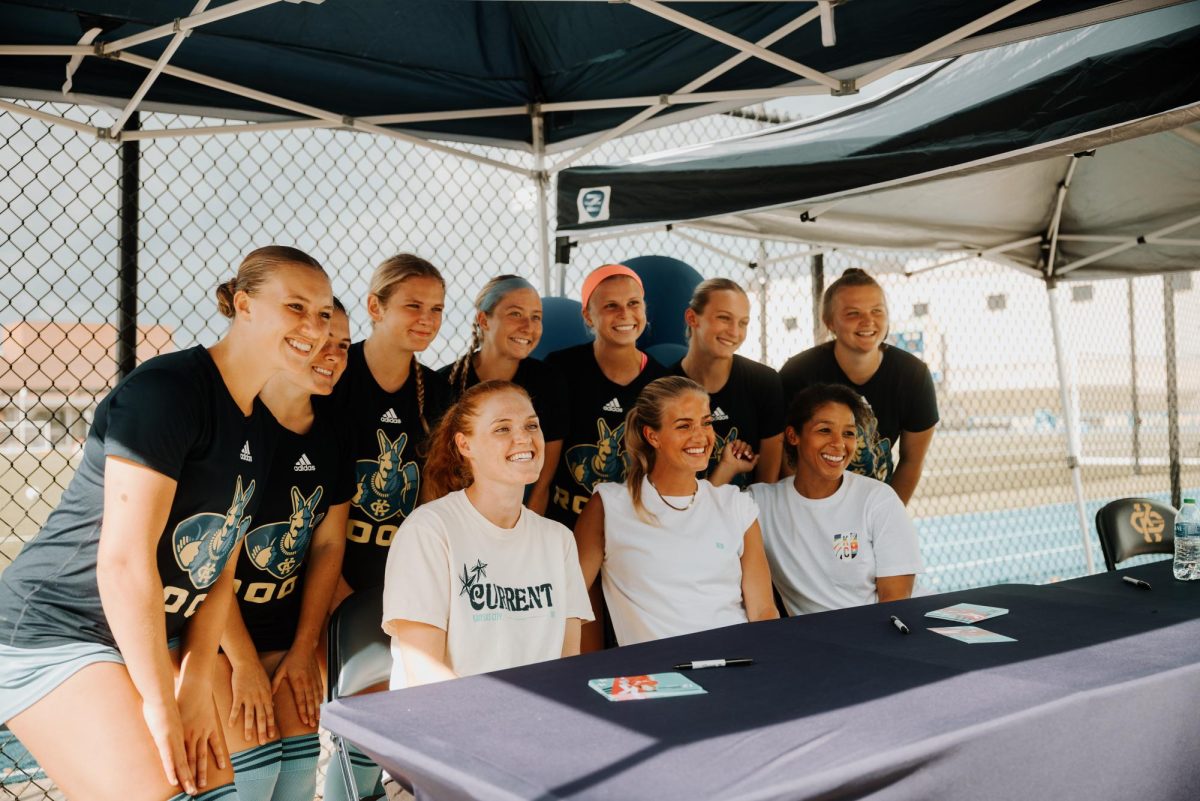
[
  {"x": 1135, "y": 526},
  {"x": 359, "y": 657}
]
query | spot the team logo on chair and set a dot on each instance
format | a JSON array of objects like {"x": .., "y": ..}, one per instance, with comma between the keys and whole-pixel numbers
[
  {"x": 592, "y": 204},
  {"x": 1147, "y": 522},
  {"x": 845, "y": 546}
]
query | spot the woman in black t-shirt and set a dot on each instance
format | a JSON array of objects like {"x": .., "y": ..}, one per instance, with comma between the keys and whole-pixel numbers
[
  {"x": 746, "y": 397},
  {"x": 388, "y": 404},
  {"x": 506, "y": 329},
  {"x": 896, "y": 384},
  {"x": 269, "y": 678},
  {"x": 602, "y": 380},
  {"x": 142, "y": 550}
]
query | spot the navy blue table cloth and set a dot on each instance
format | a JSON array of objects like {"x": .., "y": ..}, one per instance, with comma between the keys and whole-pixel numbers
[{"x": 1098, "y": 698}]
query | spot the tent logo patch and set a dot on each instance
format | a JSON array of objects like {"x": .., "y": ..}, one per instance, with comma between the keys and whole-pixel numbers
[{"x": 593, "y": 204}]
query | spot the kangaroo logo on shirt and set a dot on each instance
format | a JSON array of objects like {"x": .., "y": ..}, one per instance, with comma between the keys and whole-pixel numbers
[
  {"x": 387, "y": 487},
  {"x": 203, "y": 542},
  {"x": 604, "y": 461},
  {"x": 721, "y": 442},
  {"x": 279, "y": 548},
  {"x": 872, "y": 454}
]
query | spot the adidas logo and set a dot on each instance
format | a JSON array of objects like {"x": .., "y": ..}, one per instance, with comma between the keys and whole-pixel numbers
[
  {"x": 303, "y": 465},
  {"x": 613, "y": 405},
  {"x": 246, "y": 452},
  {"x": 719, "y": 414},
  {"x": 389, "y": 416}
]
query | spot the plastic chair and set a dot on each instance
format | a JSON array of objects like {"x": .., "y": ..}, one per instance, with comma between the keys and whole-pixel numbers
[
  {"x": 359, "y": 656},
  {"x": 1135, "y": 526}
]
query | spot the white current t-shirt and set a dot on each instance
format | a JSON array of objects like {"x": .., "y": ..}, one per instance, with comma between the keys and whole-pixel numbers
[
  {"x": 826, "y": 553},
  {"x": 679, "y": 577},
  {"x": 503, "y": 596}
]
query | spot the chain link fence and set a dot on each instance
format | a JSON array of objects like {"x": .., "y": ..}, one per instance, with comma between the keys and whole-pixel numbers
[{"x": 995, "y": 502}]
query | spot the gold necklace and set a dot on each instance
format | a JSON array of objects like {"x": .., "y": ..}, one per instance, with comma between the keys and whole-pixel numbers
[{"x": 671, "y": 505}]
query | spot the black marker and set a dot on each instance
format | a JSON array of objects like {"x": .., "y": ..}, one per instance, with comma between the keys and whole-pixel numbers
[
  {"x": 1145, "y": 585},
  {"x": 898, "y": 623},
  {"x": 696, "y": 664}
]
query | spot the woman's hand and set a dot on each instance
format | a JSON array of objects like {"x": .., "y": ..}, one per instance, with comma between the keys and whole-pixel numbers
[
  {"x": 252, "y": 699},
  {"x": 299, "y": 667},
  {"x": 201, "y": 729},
  {"x": 737, "y": 457},
  {"x": 167, "y": 732}
]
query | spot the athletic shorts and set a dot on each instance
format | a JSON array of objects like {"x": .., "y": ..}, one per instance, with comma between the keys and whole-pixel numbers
[{"x": 27, "y": 675}]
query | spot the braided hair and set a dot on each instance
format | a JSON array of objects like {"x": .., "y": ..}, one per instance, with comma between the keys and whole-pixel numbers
[{"x": 486, "y": 302}]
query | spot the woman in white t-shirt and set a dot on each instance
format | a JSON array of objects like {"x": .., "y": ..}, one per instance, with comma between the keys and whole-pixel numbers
[
  {"x": 678, "y": 554},
  {"x": 834, "y": 538},
  {"x": 475, "y": 581}
]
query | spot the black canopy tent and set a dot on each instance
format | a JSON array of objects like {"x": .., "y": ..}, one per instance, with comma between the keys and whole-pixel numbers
[
  {"x": 1073, "y": 156},
  {"x": 541, "y": 77}
]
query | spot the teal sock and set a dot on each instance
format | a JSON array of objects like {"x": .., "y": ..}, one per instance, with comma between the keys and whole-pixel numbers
[
  {"x": 366, "y": 777},
  {"x": 298, "y": 769},
  {"x": 255, "y": 771},
  {"x": 226, "y": 792}
]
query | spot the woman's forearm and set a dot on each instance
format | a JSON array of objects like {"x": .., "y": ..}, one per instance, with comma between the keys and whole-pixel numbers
[{"x": 321, "y": 580}]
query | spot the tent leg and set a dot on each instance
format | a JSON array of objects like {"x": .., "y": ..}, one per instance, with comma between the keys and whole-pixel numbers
[
  {"x": 1068, "y": 398},
  {"x": 818, "y": 290},
  {"x": 1168, "y": 284},
  {"x": 127, "y": 251},
  {"x": 1133, "y": 388},
  {"x": 764, "y": 294},
  {"x": 540, "y": 185}
]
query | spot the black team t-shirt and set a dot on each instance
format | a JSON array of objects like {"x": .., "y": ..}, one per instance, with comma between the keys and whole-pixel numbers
[
  {"x": 174, "y": 415},
  {"x": 386, "y": 441},
  {"x": 594, "y": 444},
  {"x": 545, "y": 389},
  {"x": 901, "y": 395},
  {"x": 749, "y": 407},
  {"x": 309, "y": 473}
]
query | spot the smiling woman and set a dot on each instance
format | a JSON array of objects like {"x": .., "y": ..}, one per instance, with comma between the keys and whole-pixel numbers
[
  {"x": 506, "y": 329},
  {"x": 896, "y": 384},
  {"x": 476, "y": 582},
  {"x": 746, "y": 397},
  {"x": 677, "y": 555},
  {"x": 834, "y": 538},
  {"x": 141, "y": 552}
]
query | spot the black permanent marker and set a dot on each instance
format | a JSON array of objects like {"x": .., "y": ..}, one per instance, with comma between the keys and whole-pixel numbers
[{"x": 697, "y": 664}]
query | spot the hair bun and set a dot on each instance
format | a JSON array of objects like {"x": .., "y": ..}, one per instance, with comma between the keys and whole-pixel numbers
[{"x": 224, "y": 293}]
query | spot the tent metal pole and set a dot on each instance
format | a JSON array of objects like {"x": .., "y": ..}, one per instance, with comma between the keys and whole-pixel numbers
[
  {"x": 738, "y": 43},
  {"x": 1160, "y": 241},
  {"x": 764, "y": 296},
  {"x": 186, "y": 24},
  {"x": 1133, "y": 388},
  {"x": 47, "y": 50},
  {"x": 1168, "y": 290},
  {"x": 320, "y": 114},
  {"x": 818, "y": 292},
  {"x": 1068, "y": 397},
  {"x": 1132, "y": 242},
  {"x": 710, "y": 247},
  {"x": 540, "y": 180},
  {"x": 52, "y": 119},
  {"x": 152, "y": 76},
  {"x": 944, "y": 41},
  {"x": 692, "y": 98},
  {"x": 127, "y": 252},
  {"x": 663, "y": 103}
]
